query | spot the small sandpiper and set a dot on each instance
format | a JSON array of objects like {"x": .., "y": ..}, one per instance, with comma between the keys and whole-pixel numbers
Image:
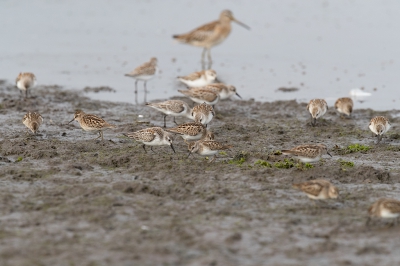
[
  {"x": 32, "y": 121},
  {"x": 91, "y": 123},
  {"x": 202, "y": 95},
  {"x": 25, "y": 81},
  {"x": 144, "y": 72},
  {"x": 317, "y": 108},
  {"x": 308, "y": 153},
  {"x": 175, "y": 108},
  {"x": 190, "y": 131},
  {"x": 153, "y": 136},
  {"x": 203, "y": 113},
  {"x": 207, "y": 148},
  {"x": 379, "y": 125},
  {"x": 344, "y": 106},
  {"x": 318, "y": 189},
  {"x": 224, "y": 91},
  {"x": 199, "y": 79}
]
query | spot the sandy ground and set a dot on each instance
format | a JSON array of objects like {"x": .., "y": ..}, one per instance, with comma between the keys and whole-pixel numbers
[{"x": 66, "y": 199}]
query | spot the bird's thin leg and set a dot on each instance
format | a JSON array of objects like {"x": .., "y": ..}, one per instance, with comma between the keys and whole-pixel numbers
[
  {"x": 145, "y": 91},
  {"x": 151, "y": 148},
  {"x": 144, "y": 148},
  {"x": 175, "y": 121},
  {"x": 26, "y": 94},
  {"x": 209, "y": 59},
  {"x": 136, "y": 82},
  {"x": 379, "y": 138},
  {"x": 165, "y": 123},
  {"x": 203, "y": 63},
  {"x": 99, "y": 135},
  {"x": 213, "y": 159}
]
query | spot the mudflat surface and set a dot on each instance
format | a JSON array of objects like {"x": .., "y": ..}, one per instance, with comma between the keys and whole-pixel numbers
[{"x": 66, "y": 199}]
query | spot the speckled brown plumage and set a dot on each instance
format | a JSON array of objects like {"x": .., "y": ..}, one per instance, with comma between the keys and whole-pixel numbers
[
  {"x": 25, "y": 81},
  {"x": 203, "y": 113},
  {"x": 173, "y": 108},
  {"x": 190, "y": 131},
  {"x": 307, "y": 152},
  {"x": 318, "y": 189},
  {"x": 201, "y": 95},
  {"x": 344, "y": 106},
  {"x": 32, "y": 121},
  {"x": 153, "y": 136},
  {"x": 90, "y": 122}
]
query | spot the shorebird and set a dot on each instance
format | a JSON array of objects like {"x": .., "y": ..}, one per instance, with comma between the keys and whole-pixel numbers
[
  {"x": 25, "y": 81},
  {"x": 317, "y": 108},
  {"x": 153, "y": 136},
  {"x": 318, "y": 189},
  {"x": 344, "y": 106},
  {"x": 379, "y": 125},
  {"x": 91, "y": 123},
  {"x": 384, "y": 208},
  {"x": 32, "y": 121},
  {"x": 224, "y": 91},
  {"x": 144, "y": 72},
  {"x": 203, "y": 113},
  {"x": 173, "y": 108},
  {"x": 202, "y": 95},
  {"x": 210, "y": 35},
  {"x": 190, "y": 131},
  {"x": 308, "y": 153},
  {"x": 199, "y": 79},
  {"x": 207, "y": 148}
]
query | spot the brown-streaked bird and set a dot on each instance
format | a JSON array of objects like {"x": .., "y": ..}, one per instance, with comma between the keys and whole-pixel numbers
[
  {"x": 153, "y": 136},
  {"x": 318, "y": 189},
  {"x": 199, "y": 79},
  {"x": 384, "y": 208},
  {"x": 317, "y": 108},
  {"x": 344, "y": 106},
  {"x": 202, "y": 95},
  {"x": 25, "y": 81},
  {"x": 175, "y": 108},
  {"x": 379, "y": 125},
  {"x": 210, "y": 35},
  {"x": 308, "y": 153},
  {"x": 144, "y": 72},
  {"x": 32, "y": 121},
  {"x": 90, "y": 122},
  {"x": 207, "y": 148}
]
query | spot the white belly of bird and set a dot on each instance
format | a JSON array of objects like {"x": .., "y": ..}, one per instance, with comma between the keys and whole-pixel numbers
[
  {"x": 154, "y": 143},
  {"x": 196, "y": 137},
  {"x": 320, "y": 196},
  {"x": 200, "y": 82},
  {"x": 21, "y": 85},
  {"x": 208, "y": 152},
  {"x": 144, "y": 77},
  {"x": 200, "y": 101},
  {"x": 387, "y": 214},
  {"x": 308, "y": 159}
]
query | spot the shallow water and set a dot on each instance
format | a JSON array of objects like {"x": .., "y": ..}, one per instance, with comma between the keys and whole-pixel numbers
[{"x": 324, "y": 48}]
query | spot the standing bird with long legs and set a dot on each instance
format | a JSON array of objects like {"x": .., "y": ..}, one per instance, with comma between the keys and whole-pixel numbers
[
  {"x": 143, "y": 72},
  {"x": 210, "y": 35}
]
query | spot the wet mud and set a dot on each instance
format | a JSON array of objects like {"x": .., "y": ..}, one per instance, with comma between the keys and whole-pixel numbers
[{"x": 66, "y": 199}]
